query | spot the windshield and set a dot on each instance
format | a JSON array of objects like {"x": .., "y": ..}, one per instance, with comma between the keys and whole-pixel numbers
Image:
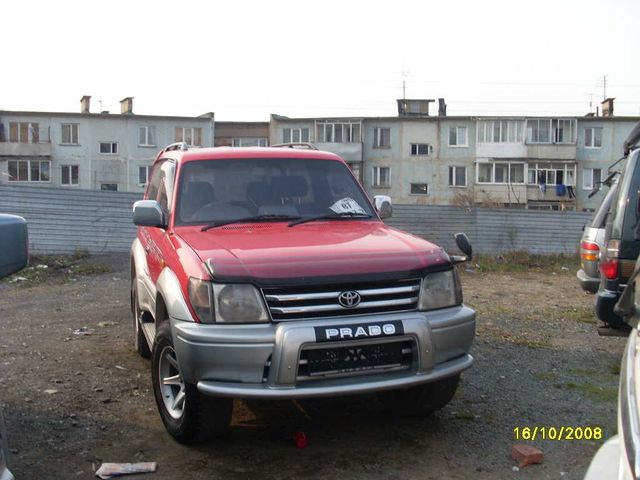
[{"x": 214, "y": 191}]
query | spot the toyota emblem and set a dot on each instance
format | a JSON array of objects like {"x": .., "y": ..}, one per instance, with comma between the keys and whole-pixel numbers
[{"x": 349, "y": 299}]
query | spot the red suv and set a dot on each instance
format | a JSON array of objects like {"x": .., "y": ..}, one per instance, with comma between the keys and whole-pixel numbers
[{"x": 268, "y": 273}]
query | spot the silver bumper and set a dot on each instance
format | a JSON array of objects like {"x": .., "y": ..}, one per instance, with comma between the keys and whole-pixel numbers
[{"x": 261, "y": 361}]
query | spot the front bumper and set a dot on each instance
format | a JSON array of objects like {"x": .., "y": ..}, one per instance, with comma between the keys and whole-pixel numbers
[{"x": 261, "y": 361}]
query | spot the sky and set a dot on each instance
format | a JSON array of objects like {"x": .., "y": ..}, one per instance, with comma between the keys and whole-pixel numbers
[{"x": 247, "y": 59}]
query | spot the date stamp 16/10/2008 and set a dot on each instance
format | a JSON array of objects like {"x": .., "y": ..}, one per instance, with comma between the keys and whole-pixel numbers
[{"x": 560, "y": 432}]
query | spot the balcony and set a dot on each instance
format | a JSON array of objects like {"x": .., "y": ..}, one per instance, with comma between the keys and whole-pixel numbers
[
  {"x": 535, "y": 194},
  {"x": 20, "y": 149},
  {"x": 350, "y": 152},
  {"x": 551, "y": 151},
  {"x": 501, "y": 150},
  {"x": 500, "y": 193}
]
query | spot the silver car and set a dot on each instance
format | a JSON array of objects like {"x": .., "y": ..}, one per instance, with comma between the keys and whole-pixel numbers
[{"x": 592, "y": 242}]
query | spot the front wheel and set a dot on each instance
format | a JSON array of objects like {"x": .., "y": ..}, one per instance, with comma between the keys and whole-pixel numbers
[
  {"x": 188, "y": 416},
  {"x": 421, "y": 400}
]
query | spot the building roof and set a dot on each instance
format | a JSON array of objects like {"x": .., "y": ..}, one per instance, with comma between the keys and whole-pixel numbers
[{"x": 208, "y": 117}]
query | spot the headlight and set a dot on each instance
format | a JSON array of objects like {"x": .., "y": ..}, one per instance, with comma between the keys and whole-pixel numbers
[
  {"x": 200, "y": 298},
  {"x": 440, "y": 290},
  {"x": 238, "y": 304}
]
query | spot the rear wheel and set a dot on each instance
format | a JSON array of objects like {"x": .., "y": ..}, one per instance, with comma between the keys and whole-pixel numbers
[
  {"x": 139, "y": 340},
  {"x": 421, "y": 400},
  {"x": 188, "y": 416}
]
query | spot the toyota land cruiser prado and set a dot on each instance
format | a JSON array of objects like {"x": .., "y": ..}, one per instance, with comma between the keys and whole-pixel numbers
[{"x": 268, "y": 273}]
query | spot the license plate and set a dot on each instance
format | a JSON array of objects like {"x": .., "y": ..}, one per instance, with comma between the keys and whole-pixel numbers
[
  {"x": 347, "y": 359},
  {"x": 360, "y": 331}
]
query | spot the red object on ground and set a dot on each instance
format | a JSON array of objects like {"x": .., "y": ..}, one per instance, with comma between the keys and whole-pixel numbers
[
  {"x": 526, "y": 455},
  {"x": 300, "y": 439}
]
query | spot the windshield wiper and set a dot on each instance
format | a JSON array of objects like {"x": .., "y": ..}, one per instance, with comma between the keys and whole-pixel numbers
[
  {"x": 330, "y": 216},
  {"x": 256, "y": 218}
]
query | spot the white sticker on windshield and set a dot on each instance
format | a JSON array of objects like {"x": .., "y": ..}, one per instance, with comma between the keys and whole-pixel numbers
[{"x": 347, "y": 205}]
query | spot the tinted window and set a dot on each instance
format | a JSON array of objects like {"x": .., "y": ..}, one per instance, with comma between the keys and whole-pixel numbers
[
  {"x": 223, "y": 190},
  {"x": 600, "y": 217}
]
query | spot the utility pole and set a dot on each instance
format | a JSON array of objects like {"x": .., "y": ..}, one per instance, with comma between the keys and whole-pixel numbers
[{"x": 604, "y": 87}]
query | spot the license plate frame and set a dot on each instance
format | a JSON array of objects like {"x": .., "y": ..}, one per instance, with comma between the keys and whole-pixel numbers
[{"x": 353, "y": 358}]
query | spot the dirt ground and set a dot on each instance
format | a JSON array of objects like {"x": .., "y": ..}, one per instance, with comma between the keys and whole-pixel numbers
[{"x": 75, "y": 394}]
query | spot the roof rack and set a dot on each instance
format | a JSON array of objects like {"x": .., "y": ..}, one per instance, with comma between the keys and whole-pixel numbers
[
  {"x": 182, "y": 146},
  {"x": 307, "y": 145}
]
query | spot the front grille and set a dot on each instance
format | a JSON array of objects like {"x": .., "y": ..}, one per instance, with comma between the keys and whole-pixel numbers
[{"x": 322, "y": 301}]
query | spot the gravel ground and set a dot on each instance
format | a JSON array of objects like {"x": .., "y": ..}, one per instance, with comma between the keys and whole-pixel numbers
[{"x": 75, "y": 394}]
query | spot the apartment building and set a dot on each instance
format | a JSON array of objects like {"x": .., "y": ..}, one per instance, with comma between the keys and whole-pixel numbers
[
  {"x": 242, "y": 134},
  {"x": 96, "y": 151},
  {"x": 548, "y": 163}
]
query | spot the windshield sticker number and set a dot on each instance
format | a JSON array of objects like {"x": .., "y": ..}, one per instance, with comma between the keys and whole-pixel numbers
[{"x": 347, "y": 205}]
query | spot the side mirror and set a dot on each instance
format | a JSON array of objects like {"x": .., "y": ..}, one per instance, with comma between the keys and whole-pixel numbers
[
  {"x": 462, "y": 241},
  {"x": 383, "y": 206},
  {"x": 14, "y": 239},
  {"x": 148, "y": 213}
]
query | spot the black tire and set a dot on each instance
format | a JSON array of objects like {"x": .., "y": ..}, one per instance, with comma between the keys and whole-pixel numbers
[
  {"x": 421, "y": 400},
  {"x": 139, "y": 340},
  {"x": 201, "y": 417}
]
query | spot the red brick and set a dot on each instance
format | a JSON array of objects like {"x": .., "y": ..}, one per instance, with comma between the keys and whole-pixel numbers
[{"x": 526, "y": 455}]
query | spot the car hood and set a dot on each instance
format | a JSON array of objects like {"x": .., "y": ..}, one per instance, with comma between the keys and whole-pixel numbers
[{"x": 246, "y": 252}]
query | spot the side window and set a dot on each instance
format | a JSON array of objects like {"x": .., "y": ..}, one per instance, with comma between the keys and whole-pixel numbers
[
  {"x": 161, "y": 184},
  {"x": 154, "y": 182}
]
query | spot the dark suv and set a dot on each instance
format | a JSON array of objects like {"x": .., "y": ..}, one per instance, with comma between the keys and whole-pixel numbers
[{"x": 622, "y": 237}]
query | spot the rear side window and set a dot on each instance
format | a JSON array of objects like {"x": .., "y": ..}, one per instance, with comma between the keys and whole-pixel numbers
[{"x": 600, "y": 217}]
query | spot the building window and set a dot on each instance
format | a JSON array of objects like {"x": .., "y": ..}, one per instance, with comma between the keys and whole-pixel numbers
[
  {"x": 547, "y": 130},
  {"x": 500, "y": 131},
  {"x": 338, "y": 132},
  {"x": 147, "y": 136},
  {"x": 381, "y": 176},
  {"x": 24, "y": 132},
  {"x": 190, "y": 135},
  {"x": 109, "y": 187},
  {"x": 564, "y": 130},
  {"x": 381, "y": 137},
  {"x": 295, "y": 135},
  {"x": 29, "y": 170},
  {"x": 593, "y": 137},
  {"x": 419, "y": 189},
  {"x": 143, "y": 175},
  {"x": 545, "y": 173},
  {"x": 420, "y": 149},
  {"x": 591, "y": 178},
  {"x": 250, "y": 142},
  {"x": 500, "y": 172},
  {"x": 70, "y": 134},
  {"x": 457, "y": 136},
  {"x": 108, "y": 148},
  {"x": 69, "y": 174},
  {"x": 457, "y": 176}
]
